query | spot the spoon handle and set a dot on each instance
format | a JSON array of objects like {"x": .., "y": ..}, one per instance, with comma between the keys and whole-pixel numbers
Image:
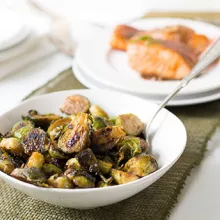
[{"x": 207, "y": 58}]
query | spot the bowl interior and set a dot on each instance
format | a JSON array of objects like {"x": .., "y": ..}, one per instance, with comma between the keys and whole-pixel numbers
[{"x": 168, "y": 135}]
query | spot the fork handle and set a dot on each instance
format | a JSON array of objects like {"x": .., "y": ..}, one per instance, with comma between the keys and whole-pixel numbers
[{"x": 207, "y": 58}]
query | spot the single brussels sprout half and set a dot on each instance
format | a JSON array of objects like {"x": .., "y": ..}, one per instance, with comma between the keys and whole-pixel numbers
[
  {"x": 59, "y": 181},
  {"x": 55, "y": 152},
  {"x": 104, "y": 167},
  {"x": 95, "y": 110},
  {"x": 51, "y": 169},
  {"x": 129, "y": 147},
  {"x": 35, "y": 160},
  {"x": 30, "y": 175},
  {"x": 76, "y": 137},
  {"x": 35, "y": 141},
  {"x": 74, "y": 164},
  {"x": 80, "y": 179},
  {"x": 75, "y": 104},
  {"x": 121, "y": 177},
  {"x": 98, "y": 123},
  {"x": 141, "y": 165},
  {"x": 12, "y": 145},
  {"x": 88, "y": 161},
  {"x": 130, "y": 123},
  {"x": 106, "y": 138},
  {"x": 21, "y": 128},
  {"x": 42, "y": 121},
  {"x": 6, "y": 164},
  {"x": 55, "y": 129}
]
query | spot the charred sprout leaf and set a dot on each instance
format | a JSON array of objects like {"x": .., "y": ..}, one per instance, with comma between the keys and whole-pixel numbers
[
  {"x": 104, "y": 167},
  {"x": 35, "y": 160},
  {"x": 121, "y": 177},
  {"x": 76, "y": 136},
  {"x": 54, "y": 152},
  {"x": 57, "y": 162},
  {"x": 1, "y": 137},
  {"x": 55, "y": 129},
  {"x": 58, "y": 181},
  {"x": 35, "y": 140},
  {"x": 141, "y": 165},
  {"x": 8, "y": 134},
  {"x": 75, "y": 104},
  {"x": 106, "y": 138},
  {"x": 80, "y": 179},
  {"x": 6, "y": 164},
  {"x": 103, "y": 184},
  {"x": 21, "y": 128},
  {"x": 42, "y": 121},
  {"x": 12, "y": 145},
  {"x": 30, "y": 175},
  {"x": 73, "y": 163},
  {"x": 130, "y": 147},
  {"x": 98, "y": 123},
  {"x": 130, "y": 123},
  {"x": 51, "y": 169},
  {"x": 95, "y": 110},
  {"x": 88, "y": 161}
]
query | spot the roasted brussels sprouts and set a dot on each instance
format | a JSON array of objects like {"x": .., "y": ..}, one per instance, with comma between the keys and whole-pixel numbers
[
  {"x": 21, "y": 128},
  {"x": 130, "y": 123},
  {"x": 88, "y": 161},
  {"x": 86, "y": 149},
  {"x": 106, "y": 138},
  {"x": 54, "y": 152},
  {"x": 95, "y": 110},
  {"x": 80, "y": 179},
  {"x": 75, "y": 104},
  {"x": 73, "y": 163},
  {"x": 6, "y": 164},
  {"x": 121, "y": 177},
  {"x": 42, "y": 121},
  {"x": 76, "y": 136},
  {"x": 55, "y": 129},
  {"x": 129, "y": 147},
  {"x": 141, "y": 165},
  {"x": 59, "y": 181},
  {"x": 104, "y": 167},
  {"x": 12, "y": 145},
  {"x": 98, "y": 123},
  {"x": 30, "y": 175},
  {"x": 35, "y": 140},
  {"x": 51, "y": 169},
  {"x": 35, "y": 160}
]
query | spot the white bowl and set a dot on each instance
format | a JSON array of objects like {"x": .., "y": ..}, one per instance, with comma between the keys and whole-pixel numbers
[{"x": 168, "y": 142}]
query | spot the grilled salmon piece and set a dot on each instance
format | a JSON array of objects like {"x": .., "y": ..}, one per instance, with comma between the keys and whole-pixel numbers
[
  {"x": 160, "y": 59},
  {"x": 121, "y": 35}
]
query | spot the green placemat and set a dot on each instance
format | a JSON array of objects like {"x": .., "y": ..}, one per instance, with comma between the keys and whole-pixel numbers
[{"x": 154, "y": 203}]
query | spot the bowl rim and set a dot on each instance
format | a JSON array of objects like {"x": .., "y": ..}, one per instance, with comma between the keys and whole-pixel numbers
[{"x": 96, "y": 189}]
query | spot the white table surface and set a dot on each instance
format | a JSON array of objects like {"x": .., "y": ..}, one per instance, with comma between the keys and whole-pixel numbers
[{"x": 199, "y": 199}]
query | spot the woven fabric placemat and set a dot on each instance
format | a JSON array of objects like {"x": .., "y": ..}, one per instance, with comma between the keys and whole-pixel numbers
[{"x": 153, "y": 203}]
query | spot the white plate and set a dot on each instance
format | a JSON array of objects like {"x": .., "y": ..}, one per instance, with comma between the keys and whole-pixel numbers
[
  {"x": 110, "y": 67},
  {"x": 12, "y": 28},
  {"x": 166, "y": 147},
  {"x": 29, "y": 43},
  {"x": 91, "y": 83}
]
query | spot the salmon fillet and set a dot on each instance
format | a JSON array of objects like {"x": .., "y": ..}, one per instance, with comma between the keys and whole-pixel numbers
[{"x": 160, "y": 59}]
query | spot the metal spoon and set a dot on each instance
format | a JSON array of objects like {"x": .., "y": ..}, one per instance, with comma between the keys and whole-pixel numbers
[{"x": 206, "y": 59}]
